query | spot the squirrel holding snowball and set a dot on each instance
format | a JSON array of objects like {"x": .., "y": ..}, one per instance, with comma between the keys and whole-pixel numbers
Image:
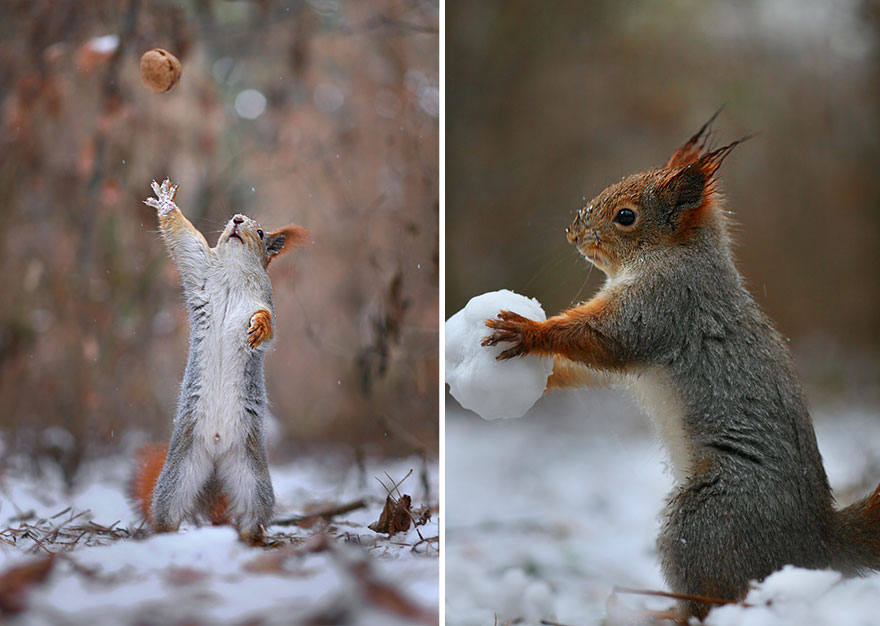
[
  {"x": 215, "y": 466},
  {"x": 676, "y": 324}
]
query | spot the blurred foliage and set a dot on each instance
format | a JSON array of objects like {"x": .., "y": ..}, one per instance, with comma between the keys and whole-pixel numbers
[
  {"x": 550, "y": 102},
  {"x": 93, "y": 333}
]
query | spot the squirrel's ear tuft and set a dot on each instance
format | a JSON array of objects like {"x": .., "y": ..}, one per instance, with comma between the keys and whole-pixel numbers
[
  {"x": 711, "y": 161},
  {"x": 688, "y": 187},
  {"x": 284, "y": 240},
  {"x": 693, "y": 148}
]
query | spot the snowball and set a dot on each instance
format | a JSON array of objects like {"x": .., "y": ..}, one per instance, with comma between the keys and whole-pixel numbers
[{"x": 493, "y": 389}]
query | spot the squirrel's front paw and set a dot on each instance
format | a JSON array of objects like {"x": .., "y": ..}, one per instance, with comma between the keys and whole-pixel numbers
[
  {"x": 164, "y": 200},
  {"x": 509, "y": 327},
  {"x": 260, "y": 329}
]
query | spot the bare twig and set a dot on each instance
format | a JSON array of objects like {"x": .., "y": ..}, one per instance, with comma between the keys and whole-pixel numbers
[
  {"x": 678, "y": 596},
  {"x": 394, "y": 485},
  {"x": 323, "y": 513},
  {"x": 429, "y": 541},
  {"x": 60, "y": 513}
]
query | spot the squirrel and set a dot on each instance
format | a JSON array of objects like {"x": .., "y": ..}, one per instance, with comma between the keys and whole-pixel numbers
[
  {"x": 215, "y": 465},
  {"x": 675, "y": 323}
]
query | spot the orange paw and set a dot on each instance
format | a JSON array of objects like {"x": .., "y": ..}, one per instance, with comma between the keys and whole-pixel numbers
[
  {"x": 509, "y": 327},
  {"x": 260, "y": 329}
]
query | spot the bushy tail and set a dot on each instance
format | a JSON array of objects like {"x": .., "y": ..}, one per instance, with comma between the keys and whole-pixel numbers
[
  {"x": 857, "y": 537},
  {"x": 149, "y": 460}
]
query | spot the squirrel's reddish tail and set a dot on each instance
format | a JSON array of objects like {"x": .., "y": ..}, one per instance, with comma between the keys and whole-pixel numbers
[
  {"x": 857, "y": 535},
  {"x": 149, "y": 460}
]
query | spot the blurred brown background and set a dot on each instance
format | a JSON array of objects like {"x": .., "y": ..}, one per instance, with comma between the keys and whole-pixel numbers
[
  {"x": 550, "y": 102},
  {"x": 322, "y": 113}
]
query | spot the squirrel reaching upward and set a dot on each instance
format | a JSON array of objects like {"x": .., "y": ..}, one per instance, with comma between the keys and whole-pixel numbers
[
  {"x": 215, "y": 465},
  {"x": 676, "y": 324}
]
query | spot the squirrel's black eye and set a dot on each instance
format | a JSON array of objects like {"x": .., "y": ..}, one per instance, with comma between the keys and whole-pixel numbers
[
  {"x": 625, "y": 217},
  {"x": 260, "y": 233}
]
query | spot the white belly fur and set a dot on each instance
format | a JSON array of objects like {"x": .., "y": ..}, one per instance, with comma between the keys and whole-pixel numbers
[
  {"x": 219, "y": 425},
  {"x": 660, "y": 402}
]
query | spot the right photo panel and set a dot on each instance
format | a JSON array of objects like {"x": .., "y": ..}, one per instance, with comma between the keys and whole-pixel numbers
[{"x": 662, "y": 312}]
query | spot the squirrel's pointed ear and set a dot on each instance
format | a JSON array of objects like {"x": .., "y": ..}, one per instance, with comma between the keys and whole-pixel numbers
[
  {"x": 284, "y": 240},
  {"x": 688, "y": 187},
  {"x": 685, "y": 189}
]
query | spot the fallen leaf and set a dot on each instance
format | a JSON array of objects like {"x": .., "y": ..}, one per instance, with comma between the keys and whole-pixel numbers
[
  {"x": 395, "y": 517},
  {"x": 15, "y": 582},
  {"x": 386, "y": 597},
  {"x": 183, "y": 575}
]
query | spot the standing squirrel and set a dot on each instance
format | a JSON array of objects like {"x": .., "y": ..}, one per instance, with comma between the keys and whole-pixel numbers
[
  {"x": 215, "y": 465},
  {"x": 675, "y": 323}
]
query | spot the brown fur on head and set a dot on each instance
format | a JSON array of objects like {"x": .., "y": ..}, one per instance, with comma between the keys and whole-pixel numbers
[{"x": 655, "y": 208}]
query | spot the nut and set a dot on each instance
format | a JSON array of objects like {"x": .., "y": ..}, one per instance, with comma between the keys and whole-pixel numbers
[{"x": 160, "y": 70}]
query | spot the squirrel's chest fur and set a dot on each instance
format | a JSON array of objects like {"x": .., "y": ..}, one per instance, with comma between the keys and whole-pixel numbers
[
  {"x": 658, "y": 398},
  {"x": 223, "y": 388}
]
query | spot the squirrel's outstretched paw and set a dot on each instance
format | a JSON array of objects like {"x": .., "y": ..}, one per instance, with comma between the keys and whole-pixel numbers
[
  {"x": 508, "y": 327},
  {"x": 164, "y": 200},
  {"x": 260, "y": 329}
]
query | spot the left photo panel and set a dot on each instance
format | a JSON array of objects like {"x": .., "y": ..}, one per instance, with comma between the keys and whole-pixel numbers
[{"x": 219, "y": 353}]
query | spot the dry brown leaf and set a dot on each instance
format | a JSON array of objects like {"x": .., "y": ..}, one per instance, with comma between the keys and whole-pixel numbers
[
  {"x": 184, "y": 575},
  {"x": 395, "y": 516},
  {"x": 388, "y": 598},
  {"x": 16, "y": 580},
  {"x": 269, "y": 563}
]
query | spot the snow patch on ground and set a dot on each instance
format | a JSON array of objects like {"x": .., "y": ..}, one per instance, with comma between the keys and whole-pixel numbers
[
  {"x": 204, "y": 574},
  {"x": 545, "y": 515},
  {"x": 793, "y": 597}
]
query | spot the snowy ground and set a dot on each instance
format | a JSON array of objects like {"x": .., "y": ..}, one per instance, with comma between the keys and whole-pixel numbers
[
  {"x": 546, "y": 514},
  {"x": 322, "y": 572}
]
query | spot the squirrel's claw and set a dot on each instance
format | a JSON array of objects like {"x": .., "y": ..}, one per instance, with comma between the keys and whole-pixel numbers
[
  {"x": 517, "y": 350},
  {"x": 508, "y": 327},
  {"x": 499, "y": 336},
  {"x": 165, "y": 195}
]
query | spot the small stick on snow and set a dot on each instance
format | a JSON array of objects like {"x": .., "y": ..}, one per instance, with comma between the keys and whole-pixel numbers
[
  {"x": 59, "y": 514},
  {"x": 394, "y": 485},
  {"x": 677, "y": 596},
  {"x": 324, "y": 513}
]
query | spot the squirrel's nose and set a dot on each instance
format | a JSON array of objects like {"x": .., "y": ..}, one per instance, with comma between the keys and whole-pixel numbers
[{"x": 238, "y": 219}]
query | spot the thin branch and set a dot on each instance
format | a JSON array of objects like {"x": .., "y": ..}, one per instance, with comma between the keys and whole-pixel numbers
[
  {"x": 323, "y": 513},
  {"x": 678, "y": 596}
]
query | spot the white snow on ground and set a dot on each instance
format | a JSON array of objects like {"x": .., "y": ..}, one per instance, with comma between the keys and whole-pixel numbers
[
  {"x": 494, "y": 389},
  {"x": 204, "y": 575},
  {"x": 546, "y": 514}
]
